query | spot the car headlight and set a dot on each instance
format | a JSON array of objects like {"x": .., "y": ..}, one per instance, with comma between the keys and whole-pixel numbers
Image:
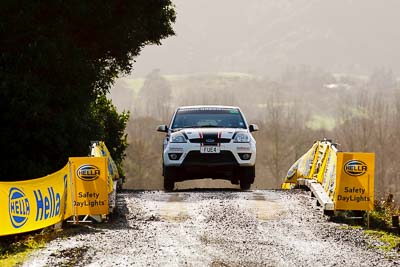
[
  {"x": 178, "y": 139},
  {"x": 242, "y": 138}
]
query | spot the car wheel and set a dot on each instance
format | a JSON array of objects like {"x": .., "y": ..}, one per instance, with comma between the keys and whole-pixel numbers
[
  {"x": 246, "y": 177},
  {"x": 244, "y": 184},
  {"x": 169, "y": 175},
  {"x": 168, "y": 184}
]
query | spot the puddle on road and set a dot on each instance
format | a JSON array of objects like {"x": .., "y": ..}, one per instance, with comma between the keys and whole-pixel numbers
[{"x": 174, "y": 210}]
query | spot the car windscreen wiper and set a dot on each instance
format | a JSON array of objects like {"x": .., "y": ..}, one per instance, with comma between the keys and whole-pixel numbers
[
  {"x": 202, "y": 126},
  {"x": 210, "y": 126},
  {"x": 184, "y": 127},
  {"x": 176, "y": 129}
]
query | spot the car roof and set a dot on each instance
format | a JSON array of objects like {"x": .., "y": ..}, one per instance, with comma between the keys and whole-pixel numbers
[{"x": 208, "y": 106}]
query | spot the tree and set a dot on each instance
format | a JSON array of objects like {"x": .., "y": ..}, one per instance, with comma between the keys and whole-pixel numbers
[
  {"x": 143, "y": 166},
  {"x": 155, "y": 97},
  {"x": 382, "y": 79},
  {"x": 57, "y": 58},
  {"x": 111, "y": 129}
]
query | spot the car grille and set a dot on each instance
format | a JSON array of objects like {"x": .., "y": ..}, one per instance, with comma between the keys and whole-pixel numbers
[
  {"x": 222, "y": 158},
  {"x": 204, "y": 141}
]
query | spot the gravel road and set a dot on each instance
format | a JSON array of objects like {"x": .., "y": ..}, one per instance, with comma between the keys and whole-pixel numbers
[{"x": 214, "y": 228}]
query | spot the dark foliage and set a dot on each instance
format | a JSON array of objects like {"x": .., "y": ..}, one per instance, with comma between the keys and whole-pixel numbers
[
  {"x": 56, "y": 59},
  {"x": 111, "y": 128},
  {"x": 384, "y": 209}
]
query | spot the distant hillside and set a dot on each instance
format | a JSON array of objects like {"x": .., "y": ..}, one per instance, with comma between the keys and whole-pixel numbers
[{"x": 266, "y": 36}]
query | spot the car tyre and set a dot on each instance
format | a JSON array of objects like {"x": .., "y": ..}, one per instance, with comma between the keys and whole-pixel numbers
[
  {"x": 244, "y": 184},
  {"x": 246, "y": 177},
  {"x": 169, "y": 175},
  {"x": 168, "y": 184}
]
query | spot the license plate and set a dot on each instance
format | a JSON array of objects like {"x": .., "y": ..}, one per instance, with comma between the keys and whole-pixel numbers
[{"x": 209, "y": 149}]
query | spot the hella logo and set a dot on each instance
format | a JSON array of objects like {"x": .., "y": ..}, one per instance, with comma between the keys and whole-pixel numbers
[
  {"x": 88, "y": 172},
  {"x": 18, "y": 206},
  {"x": 355, "y": 167}
]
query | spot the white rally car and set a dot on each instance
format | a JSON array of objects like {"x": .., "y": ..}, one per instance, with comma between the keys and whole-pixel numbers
[{"x": 209, "y": 142}]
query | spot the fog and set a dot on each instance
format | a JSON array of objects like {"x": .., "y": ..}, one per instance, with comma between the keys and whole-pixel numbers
[
  {"x": 264, "y": 37},
  {"x": 303, "y": 70}
]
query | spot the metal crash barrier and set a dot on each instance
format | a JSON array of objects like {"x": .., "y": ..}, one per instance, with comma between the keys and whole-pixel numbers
[
  {"x": 339, "y": 180},
  {"x": 85, "y": 187}
]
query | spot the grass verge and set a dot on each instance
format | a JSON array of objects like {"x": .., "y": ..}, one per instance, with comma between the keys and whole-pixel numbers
[
  {"x": 390, "y": 241},
  {"x": 15, "y": 249},
  {"x": 380, "y": 224}
]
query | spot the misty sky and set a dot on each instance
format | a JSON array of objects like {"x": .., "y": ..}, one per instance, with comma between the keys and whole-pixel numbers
[{"x": 266, "y": 36}]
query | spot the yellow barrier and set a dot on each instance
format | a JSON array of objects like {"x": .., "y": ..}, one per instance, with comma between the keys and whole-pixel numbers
[
  {"x": 90, "y": 189},
  {"x": 355, "y": 178},
  {"x": 347, "y": 178},
  {"x": 99, "y": 149},
  {"x": 304, "y": 167},
  {"x": 329, "y": 177},
  {"x": 82, "y": 187},
  {"x": 34, "y": 204}
]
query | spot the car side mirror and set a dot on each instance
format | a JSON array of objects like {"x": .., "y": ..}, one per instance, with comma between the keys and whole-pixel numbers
[
  {"x": 253, "y": 127},
  {"x": 162, "y": 128}
]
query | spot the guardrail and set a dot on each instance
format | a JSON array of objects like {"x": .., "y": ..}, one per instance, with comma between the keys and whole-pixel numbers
[
  {"x": 339, "y": 180},
  {"x": 85, "y": 186}
]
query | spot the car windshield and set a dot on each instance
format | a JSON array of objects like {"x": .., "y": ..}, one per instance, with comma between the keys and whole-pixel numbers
[{"x": 208, "y": 117}]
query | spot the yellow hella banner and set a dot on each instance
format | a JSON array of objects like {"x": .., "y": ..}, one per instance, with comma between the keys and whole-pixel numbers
[
  {"x": 99, "y": 149},
  {"x": 355, "y": 181},
  {"x": 329, "y": 173},
  {"x": 34, "y": 204},
  {"x": 90, "y": 189}
]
